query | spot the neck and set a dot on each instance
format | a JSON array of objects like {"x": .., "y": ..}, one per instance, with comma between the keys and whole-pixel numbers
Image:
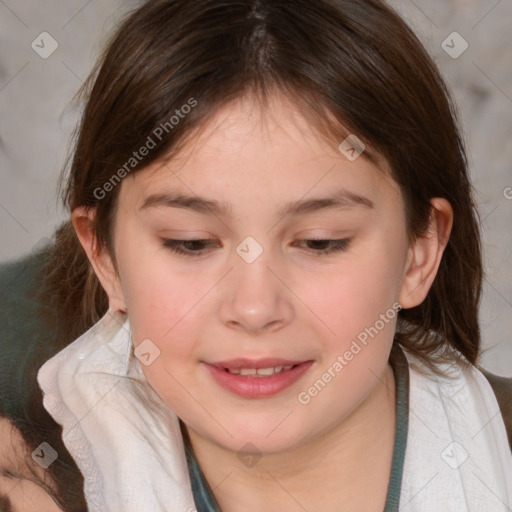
[{"x": 336, "y": 468}]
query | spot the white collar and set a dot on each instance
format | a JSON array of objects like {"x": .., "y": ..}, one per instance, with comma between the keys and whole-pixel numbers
[
  {"x": 132, "y": 458},
  {"x": 458, "y": 456}
]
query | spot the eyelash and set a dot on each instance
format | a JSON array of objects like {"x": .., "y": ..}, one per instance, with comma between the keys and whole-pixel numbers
[{"x": 177, "y": 246}]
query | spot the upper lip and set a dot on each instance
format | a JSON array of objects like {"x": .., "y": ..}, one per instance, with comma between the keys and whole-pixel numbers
[{"x": 237, "y": 364}]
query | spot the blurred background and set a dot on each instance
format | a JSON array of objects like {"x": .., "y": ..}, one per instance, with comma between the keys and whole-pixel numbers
[{"x": 48, "y": 49}]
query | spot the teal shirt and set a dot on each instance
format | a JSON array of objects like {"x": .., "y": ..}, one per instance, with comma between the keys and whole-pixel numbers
[{"x": 205, "y": 500}]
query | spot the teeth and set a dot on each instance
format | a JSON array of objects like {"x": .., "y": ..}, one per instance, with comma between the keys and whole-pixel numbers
[
  {"x": 266, "y": 371},
  {"x": 247, "y": 371},
  {"x": 261, "y": 371}
]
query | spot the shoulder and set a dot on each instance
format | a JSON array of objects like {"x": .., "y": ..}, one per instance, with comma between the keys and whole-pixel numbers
[
  {"x": 21, "y": 325},
  {"x": 21, "y": 270},
  {"x": 26, "y": 342},
  {"x": 19, "y": 281},
  {"x": 502, "y": 387},
  {"x": 464, "y": 383}
]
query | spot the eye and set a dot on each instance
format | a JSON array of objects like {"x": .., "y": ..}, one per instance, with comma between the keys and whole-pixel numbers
[
  {"x": 192, "y": 247},
  {"x": 323, "y": 247},
  {"x": 196, "y": 246}
]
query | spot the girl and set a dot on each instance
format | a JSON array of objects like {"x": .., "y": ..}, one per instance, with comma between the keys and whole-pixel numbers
[{"x": 271, "y": 272}]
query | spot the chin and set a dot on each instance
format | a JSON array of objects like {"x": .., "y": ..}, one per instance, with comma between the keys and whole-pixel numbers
[{"x": 260, "y": 437}]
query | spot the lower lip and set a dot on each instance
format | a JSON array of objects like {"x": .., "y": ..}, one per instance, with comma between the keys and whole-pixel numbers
[{"x": 257, "y": 387}]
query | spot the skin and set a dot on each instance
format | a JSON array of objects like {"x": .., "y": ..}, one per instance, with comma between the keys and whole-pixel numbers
[
  {"x": 289, "y": 303},
  {"x": 20, "y": 482}
]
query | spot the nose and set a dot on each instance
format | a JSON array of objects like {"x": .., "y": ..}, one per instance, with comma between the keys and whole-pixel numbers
[{"x": 256, "y": 298}]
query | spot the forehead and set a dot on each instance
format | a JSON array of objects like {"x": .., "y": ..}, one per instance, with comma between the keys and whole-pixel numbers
[{"x": 246, "y": 152}]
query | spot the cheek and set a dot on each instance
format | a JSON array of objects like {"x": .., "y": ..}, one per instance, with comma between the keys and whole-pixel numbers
[
  {"x": 173, "y": 333},
  {"x": 165, "y": 308},
  {"x": 167, "y": 313},
  {"x": 358, "y": 305},
  {"x": 159, "y": 293},
  {"x": 352, "y": 296}
]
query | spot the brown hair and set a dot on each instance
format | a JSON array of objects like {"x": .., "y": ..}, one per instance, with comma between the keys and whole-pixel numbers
[{"x": 350, "y": 66}]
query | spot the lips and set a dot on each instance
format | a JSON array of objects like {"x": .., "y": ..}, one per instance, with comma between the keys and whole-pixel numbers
[{"x": 250, "y": 378}]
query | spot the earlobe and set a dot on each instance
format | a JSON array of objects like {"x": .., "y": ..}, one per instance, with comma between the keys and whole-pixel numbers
[
  {"x": 425, "y": 254},
  {"x": 82, "y": 218}
]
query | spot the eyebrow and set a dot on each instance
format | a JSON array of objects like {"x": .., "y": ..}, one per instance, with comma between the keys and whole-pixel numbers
[{"x": 338, "y": 200}]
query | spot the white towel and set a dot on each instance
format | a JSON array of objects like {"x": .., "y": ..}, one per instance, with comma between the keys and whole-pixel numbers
[
  {"x": 458, "y": 457},
  {"x": 132, "y": 458},
  {"x": 131, "y": 452}
]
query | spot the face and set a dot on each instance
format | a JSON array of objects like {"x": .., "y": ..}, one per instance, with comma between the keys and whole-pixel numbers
[{"x": 301, "y": 250}]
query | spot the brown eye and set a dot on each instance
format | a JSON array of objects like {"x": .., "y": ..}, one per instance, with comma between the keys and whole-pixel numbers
[
  {"x": 193, "y": 247},
  {"x": 196, "y": 247},
  {"x": 320, "y": 246}
]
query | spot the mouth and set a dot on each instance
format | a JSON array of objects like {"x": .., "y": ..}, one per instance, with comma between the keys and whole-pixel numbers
[
  {"x": 257, "y": 368},
  {"x": 260, "y": 372},
  {"x": 257, "y": 378}
]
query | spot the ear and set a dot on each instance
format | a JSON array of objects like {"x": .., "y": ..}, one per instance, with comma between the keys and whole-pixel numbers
[
  {"x": 424, "y": 256},
  {"x": 82, "y": 218}
]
